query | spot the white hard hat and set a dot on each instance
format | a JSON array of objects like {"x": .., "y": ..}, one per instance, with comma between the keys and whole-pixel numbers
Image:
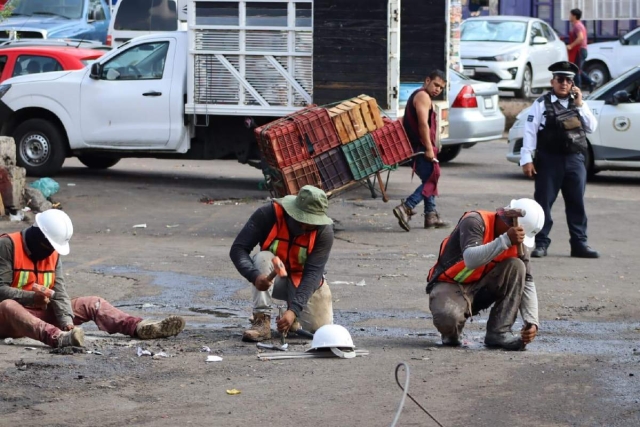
[
  {"x": 57, "y": 228},
  {"x": 533, "y": 219},
  {"x": 336, "y": 338}
]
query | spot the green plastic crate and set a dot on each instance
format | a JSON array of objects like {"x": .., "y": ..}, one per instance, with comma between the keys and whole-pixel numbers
[{"x": 363, "y": 157}]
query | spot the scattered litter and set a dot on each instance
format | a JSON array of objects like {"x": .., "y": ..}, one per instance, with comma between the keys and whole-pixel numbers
[
  {"x": 214, "y": 359},
  {"x": 341, "y": 282},
  {"x": 394, "y": 275},
  {"x": 19, "y": 216},
  {"x": 205, "y": 349},
  {"x": 47, "y": 186},
  {"x": 361, "y": 283},
  {"x": 429, "y": 256},
  {"x": 160, "y": 355},
  {"x": 71, "y": 184},
  {"x": 140, "y": 226},
  {"x": 233, "y": 392},
  {"x": 94, "y": 352},
  {"x": 26, "y": 209},
  {"x": 142, "y": 352},
  {"x": 30, "y": 348},
  {"x": 282, "y": 347},
  {"x": 173, "y": 226},
  {"x": 148, "y": 305},
  {"x": 8, "y": 341}
]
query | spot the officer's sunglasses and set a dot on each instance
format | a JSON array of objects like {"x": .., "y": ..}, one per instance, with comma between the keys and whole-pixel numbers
[{"x": 561, "y": 80}]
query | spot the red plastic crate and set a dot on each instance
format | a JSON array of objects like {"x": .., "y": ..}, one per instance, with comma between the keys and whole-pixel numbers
[
  {"x": 281, "y": 144},
  {"x": 317, "y": 129},
  {"x": 392, "y": 142},
  {"x": 289, "y": 180}
]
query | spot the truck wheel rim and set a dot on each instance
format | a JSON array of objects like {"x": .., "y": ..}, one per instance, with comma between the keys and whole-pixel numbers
[
  {"x": 597, "y": 76},
  {"x": 35, "y": 149}
]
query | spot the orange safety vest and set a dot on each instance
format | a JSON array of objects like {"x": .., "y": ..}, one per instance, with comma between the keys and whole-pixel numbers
[
  {"x": 292, "y": 252},
  {"x": 459, "y": 273},
  {"x": 25, "y": 272}
]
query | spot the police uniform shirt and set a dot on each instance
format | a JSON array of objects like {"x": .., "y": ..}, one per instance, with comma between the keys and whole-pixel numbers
[{"x": 536, "y": 120}]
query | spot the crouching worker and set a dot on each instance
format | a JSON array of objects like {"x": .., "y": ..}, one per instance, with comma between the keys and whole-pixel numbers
[
  {"x": 298, "y": 231},
  {"x": 479, "y": 266},
  {"x": 30, "y": 269}
]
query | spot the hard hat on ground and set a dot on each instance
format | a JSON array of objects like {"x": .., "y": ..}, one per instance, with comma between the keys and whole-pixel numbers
[
  {"x": 336, "y": 338},
  {"x": 532, "y": 221},
  {"x": 57, "y": 228}
]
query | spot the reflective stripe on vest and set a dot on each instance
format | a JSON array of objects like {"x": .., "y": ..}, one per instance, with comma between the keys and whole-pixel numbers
[
  {"x": 292, "y": 251},
  {"x": 25, "y": 272},
  {"x": 458, "y": 272}
]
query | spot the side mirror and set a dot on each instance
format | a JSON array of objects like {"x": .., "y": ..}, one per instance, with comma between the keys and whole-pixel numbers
[
  {"x": 96, "y": 71},
  {"x": 623, "y": 41},
  {"x": 622, "y": 97},
  {"x": 539, "y": 40}
]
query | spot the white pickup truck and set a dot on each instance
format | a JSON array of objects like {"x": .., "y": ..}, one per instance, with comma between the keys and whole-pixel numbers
[{"x": 199, "y": 93}]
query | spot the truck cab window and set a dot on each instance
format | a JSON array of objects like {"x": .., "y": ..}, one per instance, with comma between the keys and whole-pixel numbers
[
  {"x": 147, "y": 15},
  {"x": 142, "y": 62}
]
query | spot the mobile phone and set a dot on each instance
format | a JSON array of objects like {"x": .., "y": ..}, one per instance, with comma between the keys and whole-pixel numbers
[{"x": 571, "y": 94}]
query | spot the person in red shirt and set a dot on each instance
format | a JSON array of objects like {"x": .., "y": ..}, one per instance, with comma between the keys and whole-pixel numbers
[{"x": 577, "y": 48}]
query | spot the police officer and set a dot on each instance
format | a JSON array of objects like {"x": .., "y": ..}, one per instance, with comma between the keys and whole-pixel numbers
[{"x": 553, "y": 154}]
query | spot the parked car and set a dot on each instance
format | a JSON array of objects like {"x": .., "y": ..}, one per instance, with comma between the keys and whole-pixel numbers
[
  {"x": 474, "y": 114},
  {"x": 512, "y": 51},
  {"x": 23, "y": 60},
  {"x": 608, "y": 60},
  {"x": 615, "y": 144},
  {"x": 50, "y": 19},
  {"x": 134, "y": 18}
]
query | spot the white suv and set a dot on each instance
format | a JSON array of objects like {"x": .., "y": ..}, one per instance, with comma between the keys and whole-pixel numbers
[
  {"x": 512, "y": 51},
  {"x": 608, "y": 60}
]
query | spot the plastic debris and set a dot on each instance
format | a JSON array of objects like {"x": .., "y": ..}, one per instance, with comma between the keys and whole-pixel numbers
[
  {"x": 160, "y": 355},
  {"x": 205, "y": 349},
  {"x": 140, "y": 226},
  {"x": 361, "y": 283},
  {"x": 47, "y": 186},
  {"x": 30, "y": 348},
  {"x": 341, "y": 282},
  {"x": 173, "y": 226},
  {"x": 71, "y": 184},
  {"x": 214, "y": 359},
  {"x": 142, "y": 352},
  {"x": 233, "y": 392},
  {"x": 19, "y": 216},
  {"x": 8, "y": 341}
]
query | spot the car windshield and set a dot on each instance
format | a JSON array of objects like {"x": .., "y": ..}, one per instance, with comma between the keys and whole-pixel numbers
[
  {"x": 68, "y": 9},
  {"x": 605, "y": 87},
  {"x": 493, "y": 31}
]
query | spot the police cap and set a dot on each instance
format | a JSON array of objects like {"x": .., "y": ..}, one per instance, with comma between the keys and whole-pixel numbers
[{"x": 564, "y": 68}]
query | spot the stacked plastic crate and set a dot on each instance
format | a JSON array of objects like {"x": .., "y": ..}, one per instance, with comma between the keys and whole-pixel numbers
[{"x": 329, "y": 148}]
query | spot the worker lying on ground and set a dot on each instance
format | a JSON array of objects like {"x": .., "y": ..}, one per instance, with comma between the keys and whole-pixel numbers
[
  {"x": 298, "y": 231},
  {"x": 479, "y": 265},
  {"x": 30, "y": 258}
]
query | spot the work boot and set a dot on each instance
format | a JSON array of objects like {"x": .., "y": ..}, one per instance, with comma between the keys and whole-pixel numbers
[
  {"x": 432, "y": 220},
  {"x": 152, "y": 329},
  {"x": 584, "y": 252},
  {"x": 260, "y": 329},
  {"x": 506, "y": 340},
  {"x": 539, "y": 252},
  {"x": 404, "y": 214},
  {"x": 72, "y": 338}
]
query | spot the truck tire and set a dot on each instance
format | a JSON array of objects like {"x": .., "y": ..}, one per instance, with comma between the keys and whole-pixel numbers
[
  {"x": 98, "y": 162},
  {"x": 598, "y": 72},
  {"x": 449, "y": 152},
  {"x": 40, "y": 147}
]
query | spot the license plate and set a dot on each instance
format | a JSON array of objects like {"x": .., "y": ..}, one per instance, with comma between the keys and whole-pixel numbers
[
  {"x": 488, "y": 103},
  {"x": 469, "y": 72}
]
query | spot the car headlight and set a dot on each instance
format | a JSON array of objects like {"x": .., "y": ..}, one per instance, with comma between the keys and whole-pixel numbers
[
  {"x": 507, "y": 57},
  {"x": 4, "y": 89}
]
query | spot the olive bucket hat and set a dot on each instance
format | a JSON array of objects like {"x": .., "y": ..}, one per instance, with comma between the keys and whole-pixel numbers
[{"x": 308, "y": 207}]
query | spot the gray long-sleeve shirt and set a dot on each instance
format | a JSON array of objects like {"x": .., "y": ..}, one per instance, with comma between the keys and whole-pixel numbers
[
  {"x": 256, "y": 231},
  {"x": 60, "y": 303}
]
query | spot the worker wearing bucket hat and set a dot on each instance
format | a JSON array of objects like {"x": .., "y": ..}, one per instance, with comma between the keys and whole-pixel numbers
[
  {"x": 482, "y": 264},
  {"x": 297, "y": 230}
]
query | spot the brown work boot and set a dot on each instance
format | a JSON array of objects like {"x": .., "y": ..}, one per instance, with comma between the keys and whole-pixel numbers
[
  {"x": 432, "y": 220},
  {"x": 260, "y": 329},
  {"x": 73, "y": 338},
  {"x": 152, "y": 329},
  {"x": 404, "y": 214}
]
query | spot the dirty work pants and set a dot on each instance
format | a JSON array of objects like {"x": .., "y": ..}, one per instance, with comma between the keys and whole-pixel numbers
[
  {"x": 423, "y": 169},
  {"x": 503, "y": 287},
  {"x": 566, "y": 173},
  {"x": 17, "y": 321},
  {"x": 319, "y": 309}
]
